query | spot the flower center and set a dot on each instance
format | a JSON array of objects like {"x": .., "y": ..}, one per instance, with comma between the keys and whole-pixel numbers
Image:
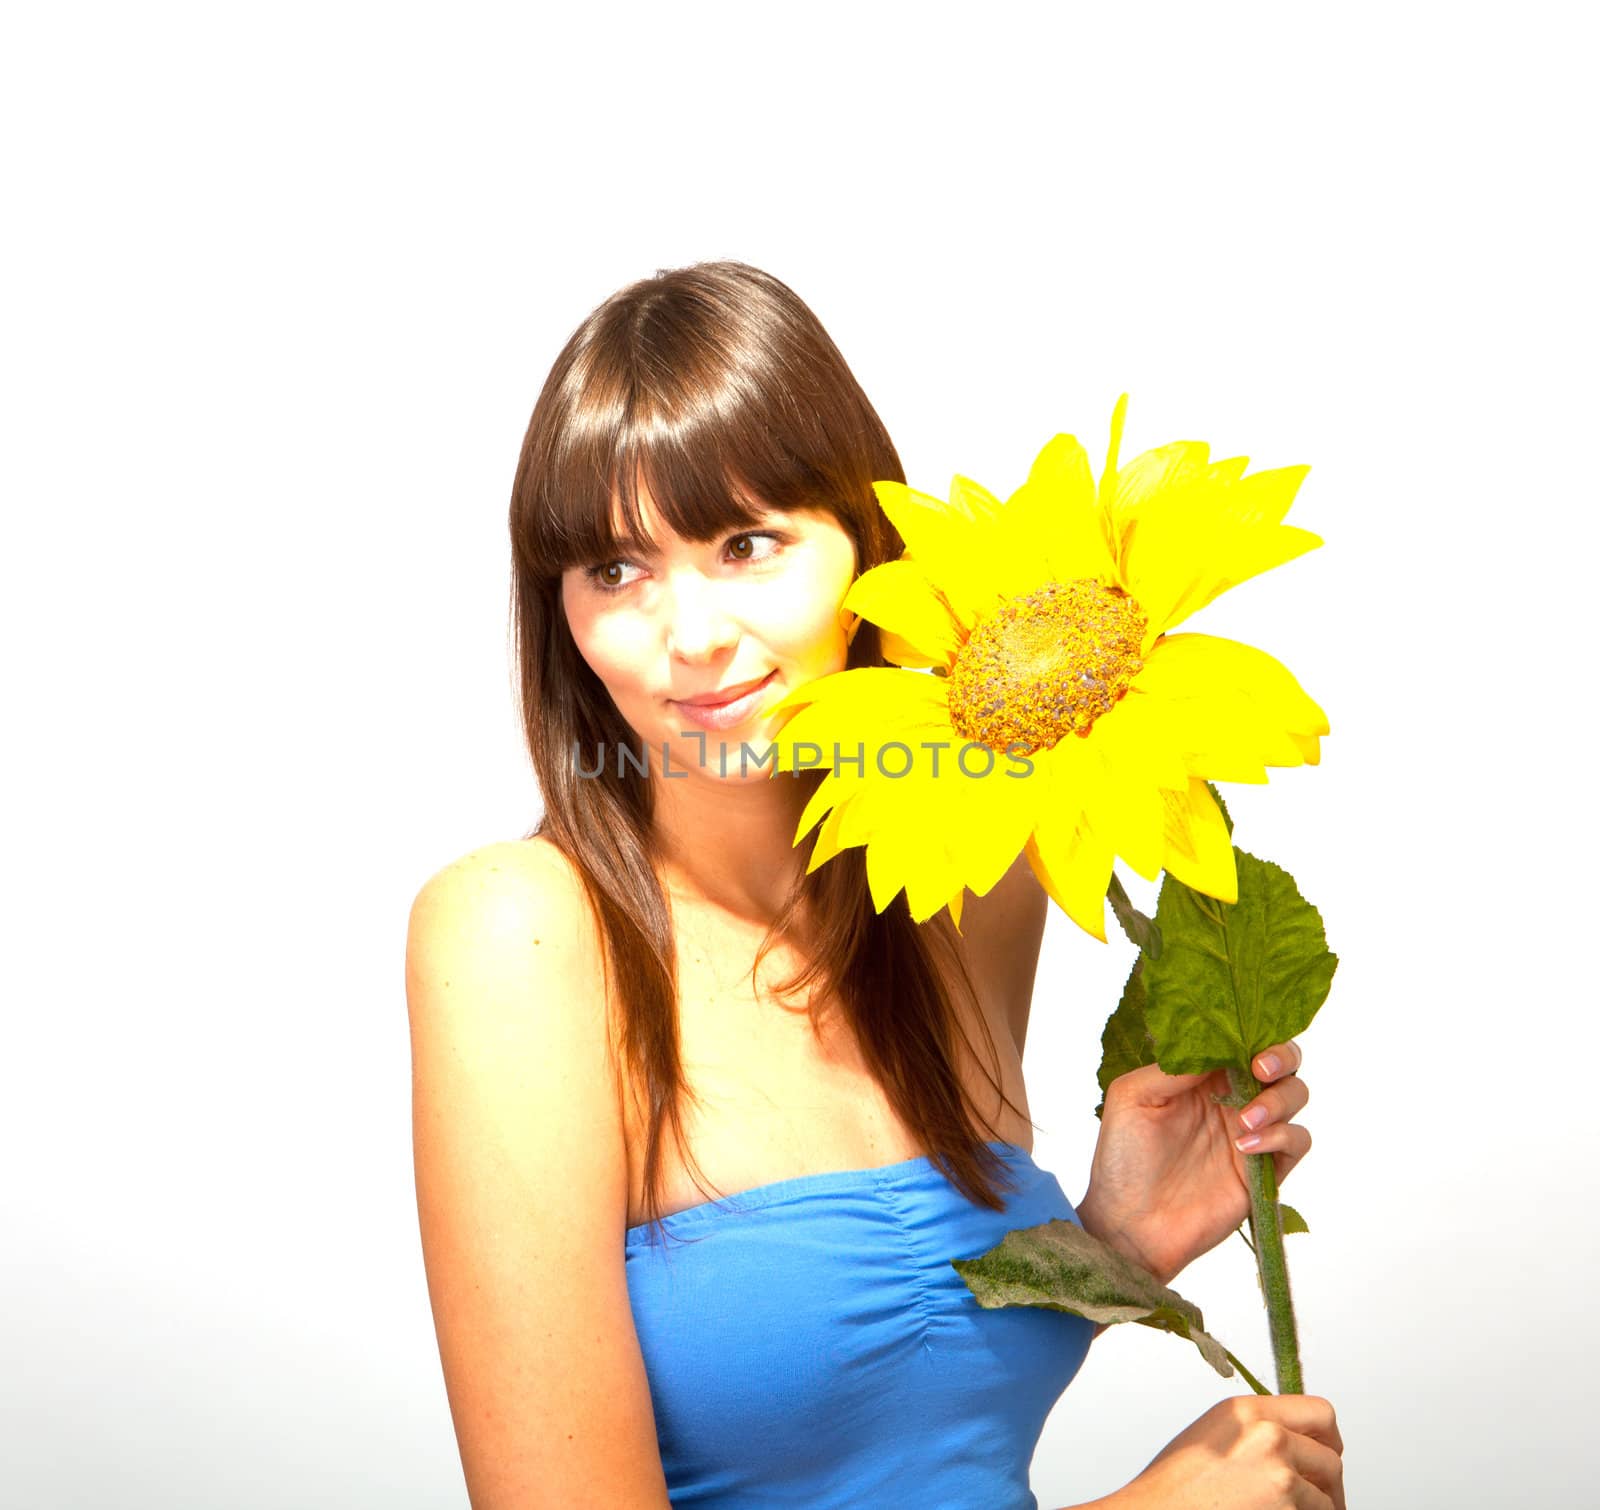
[{"x": 1046, "y": 665}]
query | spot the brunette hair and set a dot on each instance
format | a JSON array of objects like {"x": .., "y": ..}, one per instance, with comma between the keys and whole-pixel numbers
[{"x": 716, "y": 385}]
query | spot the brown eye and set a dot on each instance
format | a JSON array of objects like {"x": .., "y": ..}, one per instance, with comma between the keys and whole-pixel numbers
[
  {"x": 599, "y": 576},
  {"x": 750, "y": 538}
]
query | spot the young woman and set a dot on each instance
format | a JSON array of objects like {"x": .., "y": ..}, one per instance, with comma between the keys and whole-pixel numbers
[{"x": 697, "y": 1133}]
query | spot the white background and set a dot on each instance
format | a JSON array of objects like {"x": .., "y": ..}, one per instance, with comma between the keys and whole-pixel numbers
[{"x": 283, "y": 283}]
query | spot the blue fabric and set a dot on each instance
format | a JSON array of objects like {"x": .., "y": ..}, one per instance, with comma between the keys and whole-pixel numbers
[{"x": 808, "y": 1343}]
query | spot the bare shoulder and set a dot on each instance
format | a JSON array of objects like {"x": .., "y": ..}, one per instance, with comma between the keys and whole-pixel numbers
[
  {"x": 522, "y": 1186},
  {"x": 494, "y": 932},
  {"x": 502, "y": 876},
  {"x": 495, "y": 907}
]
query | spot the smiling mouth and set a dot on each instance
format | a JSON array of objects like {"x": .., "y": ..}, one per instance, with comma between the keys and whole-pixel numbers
[{"x": 732, "y": 697}]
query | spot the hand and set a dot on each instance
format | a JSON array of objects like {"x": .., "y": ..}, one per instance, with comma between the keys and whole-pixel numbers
[
  {"x": 1248, "y": 1452},
  {"x": 1167, "y": 1182}
]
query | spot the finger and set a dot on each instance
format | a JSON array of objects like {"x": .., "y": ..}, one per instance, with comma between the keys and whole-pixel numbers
[
  {"x": 1306, "y": 1496},
  {"x": 1284, "y": 1160},
  {"x": 1321, "y": 1467},
  {"x": 1310, "y": 1415},
  {"x": 1279, "y": 1104},
  {"x": 1287, "y": 1055},
  {"x": 1288, "y": 1139}
]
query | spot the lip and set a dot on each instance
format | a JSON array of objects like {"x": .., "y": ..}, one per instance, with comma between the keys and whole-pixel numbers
[
  {"x": 729, "y": 711},
  {"x": 718, "y": 699}
]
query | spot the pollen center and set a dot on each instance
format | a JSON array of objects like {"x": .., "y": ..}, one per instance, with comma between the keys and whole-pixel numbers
[{"x": 1046, "y": 665}]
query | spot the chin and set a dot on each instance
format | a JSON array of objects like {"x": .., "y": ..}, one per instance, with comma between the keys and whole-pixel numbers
[{"x": 721, "y": 762}]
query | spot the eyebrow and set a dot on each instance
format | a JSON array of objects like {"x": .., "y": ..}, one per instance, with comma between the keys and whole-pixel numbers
[{"x": 635, "y": 546}]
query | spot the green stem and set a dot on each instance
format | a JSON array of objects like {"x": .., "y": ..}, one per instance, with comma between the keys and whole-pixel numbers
[
  {"x": 1249, "y": 1378},
  {"x": 1266, "y": 1227}
]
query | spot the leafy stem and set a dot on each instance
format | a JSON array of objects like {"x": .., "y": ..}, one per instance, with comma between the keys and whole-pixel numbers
[
  {"x": 1271, "y": 1265},
  {"x": 1249, "y": 1378}
]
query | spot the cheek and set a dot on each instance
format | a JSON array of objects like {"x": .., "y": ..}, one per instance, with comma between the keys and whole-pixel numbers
[
  {"x": 604, "y": 645},
  {"x": 812, "y": 635},
  {"x": 613, "y": 655}
]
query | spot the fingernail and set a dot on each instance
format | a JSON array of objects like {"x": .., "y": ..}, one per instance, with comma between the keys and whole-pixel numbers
[
  {"x": 1254, "y": 1117},
  {"x": 1244, "y": 1145},
  {"x": 1269, "y": 1066}
]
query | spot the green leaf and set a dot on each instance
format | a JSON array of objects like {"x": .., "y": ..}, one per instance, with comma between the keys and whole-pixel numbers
[
  {"x": 1140, "y": 929},
  {"x": 1126, "y": 1042},
  {"x": 1292, "y": 1220},
  {"x": 1234, "y": 978},
  {"x": 1059, "y": 1266}
]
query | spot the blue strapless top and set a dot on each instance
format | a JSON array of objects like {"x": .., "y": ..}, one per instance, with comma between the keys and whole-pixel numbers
[{"x": 808, "y": 1344}]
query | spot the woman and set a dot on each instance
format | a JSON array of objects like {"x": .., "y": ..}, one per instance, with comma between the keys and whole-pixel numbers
[{"x": 697, "y": 1132}]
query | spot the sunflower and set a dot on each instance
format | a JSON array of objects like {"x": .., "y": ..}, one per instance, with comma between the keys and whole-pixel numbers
[{"x": 1062, "y": 717}]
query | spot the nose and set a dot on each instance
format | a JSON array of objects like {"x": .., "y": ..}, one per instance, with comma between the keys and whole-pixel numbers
[{"x": 698, "y": 624}]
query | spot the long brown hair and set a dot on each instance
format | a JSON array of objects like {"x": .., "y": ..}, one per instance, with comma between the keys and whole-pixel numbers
[{"x": 714, "y": 384}]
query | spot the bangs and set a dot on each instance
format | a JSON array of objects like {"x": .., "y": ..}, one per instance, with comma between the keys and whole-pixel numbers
[{"x": 711, "y": 466}]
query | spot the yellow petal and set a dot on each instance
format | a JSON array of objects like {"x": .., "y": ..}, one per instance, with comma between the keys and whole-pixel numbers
[
  {"x": 931, "y": 884},
  {"x": 911, "y": 855},
  {"x": 1222, "y": 739},
  {"x": 1073, "y": 864},
  {"x": 885, "y": 879},
  {"x": 1073, "y": 778},
  {"x": 1265, "y": 497},
  {"x": 1198, "y": 532},
  {"x": 986, "y": 819},
  {"x": 904, "y": 653},
  {"x": 885, "y": 814},
  {"x": 1155, "y": 471},
  {"x": 1208, "y": 735},
  {"x": 973, "y": 498},
  {"x": 946, "y": 539},
  {"x": 1234, "y": 558},
  {"x": 898, "y": 597},
  {"x": 877, "y": 805},
  {"x": 1137, "y": 736},
  {"x": 867, "y": 704},
  {"x": 1069, "y": 852},
  {"x": 816, "y": 690},
  {"x": 830, "y": 793},
  {"x": 1230, "y": 709},
  {"x": 827, "y": 845},
  {"x": 1124, "y": 807},
  {"x": 1109, "y": 473},
  {"x": 930, "y": 826},
  {"x": 1199, "y": 851},
  {"x": 1308, "y": 746},
  {"x": 1052, "y": 528},
  {"x": 1207, "y": 666},
  {"x": 1246, "y": 553}
]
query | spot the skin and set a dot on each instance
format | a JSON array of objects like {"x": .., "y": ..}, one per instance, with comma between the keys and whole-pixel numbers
[
  {"x": 696, "y": 618},
  {"x": 1167, "y": 1181}
]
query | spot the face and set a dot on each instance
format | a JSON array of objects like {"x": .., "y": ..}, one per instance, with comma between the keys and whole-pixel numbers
[{"x": 692, "y": 620}]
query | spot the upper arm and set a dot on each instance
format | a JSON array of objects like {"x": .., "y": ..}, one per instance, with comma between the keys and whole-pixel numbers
[
  {"x": 522, "y": 1187},
  {"x": 1004, "y": 929}
]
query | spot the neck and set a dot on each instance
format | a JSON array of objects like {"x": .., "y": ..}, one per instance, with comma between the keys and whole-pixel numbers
[{"x": 728, "y": 843}]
